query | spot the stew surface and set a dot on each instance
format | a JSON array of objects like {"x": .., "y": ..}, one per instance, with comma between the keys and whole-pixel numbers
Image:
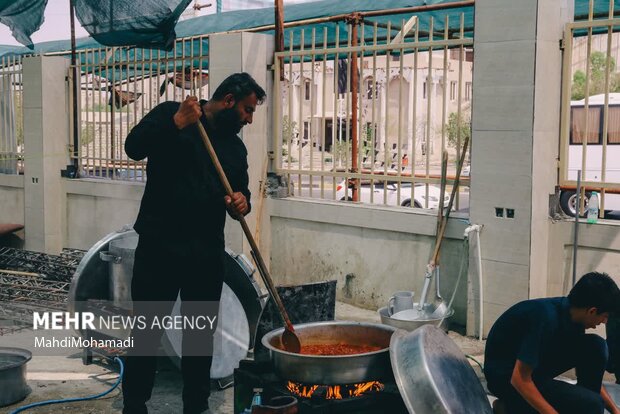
[{"x": 337, "y": 349}]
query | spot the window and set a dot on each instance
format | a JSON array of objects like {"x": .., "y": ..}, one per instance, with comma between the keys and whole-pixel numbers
[
  {"x": 578, "y": 125},
  {"x": 424, "y": 90},
  {"x": 453, "y": 91},
  {"x": 468, "y": 91},
  {"x": 307, "y": 90},
  {"x": 613, "y": 125},
  {"x": 306, "y": 134}
]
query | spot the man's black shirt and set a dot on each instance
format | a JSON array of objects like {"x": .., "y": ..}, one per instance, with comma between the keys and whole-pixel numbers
[
  {"x": 529, "y": 331},
  {"x": 183, "y": 195}
]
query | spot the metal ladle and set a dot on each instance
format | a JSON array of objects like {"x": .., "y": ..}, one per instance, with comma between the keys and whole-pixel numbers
[
  {"x": 430, "y": 268},
  {"x": 290, "y": 340}
]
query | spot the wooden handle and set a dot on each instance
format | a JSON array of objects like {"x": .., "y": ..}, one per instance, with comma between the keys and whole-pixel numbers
[
  {"x": 442, "y": 194},
  {"x": 258, "y": 258},
  {"x": 455, "y": 187}
]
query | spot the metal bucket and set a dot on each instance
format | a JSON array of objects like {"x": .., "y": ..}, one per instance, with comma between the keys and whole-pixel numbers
[
  {"x": 13, "y": 386},
  {"x": 414, "y": 324},
  {"x": 333, "y": 369},
  {"x": 120, "y": 257}
]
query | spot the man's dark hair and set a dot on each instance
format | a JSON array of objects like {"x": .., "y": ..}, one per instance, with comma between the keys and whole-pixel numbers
[
  {"x": 595, "y": 290},
  {"x": 240, "y": 85}
]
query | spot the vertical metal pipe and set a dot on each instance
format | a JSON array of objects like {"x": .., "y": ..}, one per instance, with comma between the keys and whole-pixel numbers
[
  {"x": 576, "y": 232},
  {"x": 279, "y": 38},
  {"x": 74, "y": 87},
  {"x": 354, "y": 82}
]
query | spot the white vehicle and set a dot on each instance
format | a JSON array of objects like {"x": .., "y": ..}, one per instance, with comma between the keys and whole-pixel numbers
[
  {"x": 594, "y": 152},
  {"x": 380, "y": 192}
]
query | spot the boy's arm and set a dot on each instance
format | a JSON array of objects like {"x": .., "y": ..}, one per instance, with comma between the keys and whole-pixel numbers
[{"x": 522, "y": 381}]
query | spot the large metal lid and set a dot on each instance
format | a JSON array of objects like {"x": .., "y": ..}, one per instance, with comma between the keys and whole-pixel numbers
[{"x": 433, "y": 375}]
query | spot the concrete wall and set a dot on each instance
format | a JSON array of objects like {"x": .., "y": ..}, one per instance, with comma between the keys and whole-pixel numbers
[
  {"x": 598, "y": 249},
  {"x": 11, "y": 199},
  {"x": 95, "y": 208},
  {"x": 371, "y": 252}
]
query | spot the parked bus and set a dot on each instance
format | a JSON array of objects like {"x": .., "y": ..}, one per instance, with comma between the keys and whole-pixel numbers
[{"x": 594, "y": 152}]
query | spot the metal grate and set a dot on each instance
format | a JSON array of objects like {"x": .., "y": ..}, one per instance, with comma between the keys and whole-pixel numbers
[
  {"x": 591, "y": 108},
  {"x": 32, "y": 281},
  {"x": 118, "y": 87},
  {"x": 368, "y": 120},
  {"x": 50, "y": 267},
  {"x": 11, "y": 116}
]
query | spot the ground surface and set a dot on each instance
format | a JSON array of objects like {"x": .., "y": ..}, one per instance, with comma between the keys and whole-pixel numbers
[{"x": 55, "y": 377}]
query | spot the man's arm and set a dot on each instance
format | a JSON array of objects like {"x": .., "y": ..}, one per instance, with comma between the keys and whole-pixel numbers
[
  {"x": 522, "y": 381},
  {"x": 160, "y": 123},
  {"x": 609, "y": 402}
]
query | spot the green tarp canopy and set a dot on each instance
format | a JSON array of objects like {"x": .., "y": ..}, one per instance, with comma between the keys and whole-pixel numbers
[{"x": 121, "y": 61}]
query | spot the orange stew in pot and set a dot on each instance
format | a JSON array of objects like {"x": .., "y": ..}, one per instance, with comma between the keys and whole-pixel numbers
[{"x": 337, "y": 349}]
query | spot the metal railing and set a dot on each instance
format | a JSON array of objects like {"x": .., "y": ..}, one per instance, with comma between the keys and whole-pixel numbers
[
  {"x": 368, "y": 120},
  {"x": 118, "y": 87},
  {"x": 11, "y": 116},
  {"x": 590, "y": 117}
]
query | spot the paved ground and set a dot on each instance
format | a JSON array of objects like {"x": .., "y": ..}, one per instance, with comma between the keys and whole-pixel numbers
[{"x": 66, "y": 377}]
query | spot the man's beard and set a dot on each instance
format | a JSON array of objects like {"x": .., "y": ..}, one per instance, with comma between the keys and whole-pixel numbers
[{"x": 227, "y": 121}]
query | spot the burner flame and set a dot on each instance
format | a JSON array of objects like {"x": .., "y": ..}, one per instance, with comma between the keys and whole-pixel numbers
[{"x": 335, "y": 392}]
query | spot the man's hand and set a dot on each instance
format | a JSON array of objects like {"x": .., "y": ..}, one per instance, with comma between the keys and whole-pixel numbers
[
  {"x": 608, "y": 401},
  {"x": 522, "y": 381},
  {"x": 237, "y": 205},
  {"x": 189, "y": 112}
]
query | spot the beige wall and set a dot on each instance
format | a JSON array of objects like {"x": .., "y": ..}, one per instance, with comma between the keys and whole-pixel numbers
[
  {"x": 598, "y": 250},
  {"x": 11, "y": 199}
]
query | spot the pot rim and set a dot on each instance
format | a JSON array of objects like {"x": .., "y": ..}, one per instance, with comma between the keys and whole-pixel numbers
[
  {"x": 265, "y": 340},
  {"x": 20, "y": 352}
]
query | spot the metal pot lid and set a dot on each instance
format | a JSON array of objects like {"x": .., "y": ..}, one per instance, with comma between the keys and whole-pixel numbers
[{"x": 433, "y": 375}]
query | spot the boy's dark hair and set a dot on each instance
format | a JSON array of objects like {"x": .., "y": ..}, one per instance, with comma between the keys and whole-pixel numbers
[
  {"x": 595, "y": 290},
  {"x": 240, "y": 85}
]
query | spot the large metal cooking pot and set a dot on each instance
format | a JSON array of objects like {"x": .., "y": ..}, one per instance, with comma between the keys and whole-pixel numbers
[
  {"x": 13, "y": 386},
  {"x": 333, "y": 369},
  {"x": 241, "y": 303},
  {"x": 120, "y": 258}
]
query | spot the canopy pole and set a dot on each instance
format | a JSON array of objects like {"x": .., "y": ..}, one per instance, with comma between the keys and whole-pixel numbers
[
  {"x": 74, "y": 88},
  {"x": 279, "y": 24}
]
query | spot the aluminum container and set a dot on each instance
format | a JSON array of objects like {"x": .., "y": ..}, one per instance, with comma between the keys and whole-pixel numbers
[{"x": 13, "y": 386}]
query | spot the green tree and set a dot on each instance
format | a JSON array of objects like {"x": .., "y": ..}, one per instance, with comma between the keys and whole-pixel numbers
[
  {"x": 456, "y": 129},
  {"x": 598, "y": 67},
  {"x": 289, "y": 130}
]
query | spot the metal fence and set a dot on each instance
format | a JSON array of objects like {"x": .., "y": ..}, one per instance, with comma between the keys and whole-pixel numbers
[
  {"x": 368, "y": 120},
  {"x": 118, "y": 87},
  {"x": 590, "y": 117},
  {"x": 11, "y": 116}
]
